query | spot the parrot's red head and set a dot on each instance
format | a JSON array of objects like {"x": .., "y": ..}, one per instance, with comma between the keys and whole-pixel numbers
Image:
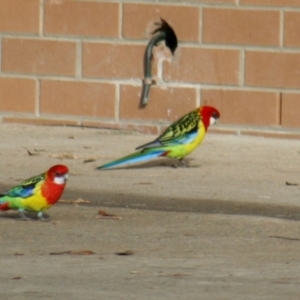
[
  {"x": 58, "y": 174},
  {"x": 209, "y": 115},
  {"x": 56, "y": 179}
]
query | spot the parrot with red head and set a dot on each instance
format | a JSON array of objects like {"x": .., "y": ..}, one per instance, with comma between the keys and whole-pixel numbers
[
  {"x": 179, "y": 140},
  {"x": 37, "y": 193}
]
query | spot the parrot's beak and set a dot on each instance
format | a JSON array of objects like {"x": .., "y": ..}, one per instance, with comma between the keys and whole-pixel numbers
[{"x": 213, "y": 120}]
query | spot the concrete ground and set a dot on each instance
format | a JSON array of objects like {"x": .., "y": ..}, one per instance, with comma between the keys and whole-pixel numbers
[{"x": 225, "y": 228}]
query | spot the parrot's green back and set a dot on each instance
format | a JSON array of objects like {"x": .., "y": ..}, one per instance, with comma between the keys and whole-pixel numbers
[
  {"x": 179, "y": 134},
  {"x": 16, "y": 198}
]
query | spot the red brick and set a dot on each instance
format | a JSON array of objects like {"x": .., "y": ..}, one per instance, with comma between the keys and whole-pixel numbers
[
  {"x": 272, "y": 69},
  {"x": 291, "y": 29},
  {"x": 78, "y": 98},
  {"x": 244, "y": 107},
  {"x": 197, "y": 65},
  {"x": 17, "y": 95},
  {"x": 295, "y": 3},
  {"x": 19, "y": 16},
  {"x": 290, "y": 110},
  {"x": 138, "y": 18},
  {"x": 211, "y": 1},
  {"x": 38, "y": 56},
  {"x": 164, "y": 104},
  {"x": 241, "y": 27},
  {"x": 113, "y": 60},
  {"x": 85, "y": 18},
  {"x": 40, "y": 121}
]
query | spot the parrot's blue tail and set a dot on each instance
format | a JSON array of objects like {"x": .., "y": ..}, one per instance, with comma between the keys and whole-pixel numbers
[{"x": 137, "y": 157}]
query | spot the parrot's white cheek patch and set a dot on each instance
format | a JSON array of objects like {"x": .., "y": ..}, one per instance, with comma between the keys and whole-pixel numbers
[
  {"x": 212, "y": 121},
  {"x": 60, "y": 180}
]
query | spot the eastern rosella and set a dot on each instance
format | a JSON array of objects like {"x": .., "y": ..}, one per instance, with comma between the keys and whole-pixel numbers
[
  {"x": 37, "y": 193},
  {"x": 179, "y": 140}
]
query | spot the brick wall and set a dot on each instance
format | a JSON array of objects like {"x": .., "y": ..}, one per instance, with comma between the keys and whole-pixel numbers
[{"x": 81, "y": 62}]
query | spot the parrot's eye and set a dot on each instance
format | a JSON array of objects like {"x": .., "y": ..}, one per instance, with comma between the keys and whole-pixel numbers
[
  {"x": 58, "y": 174},
  {"x": 215, "y": 115}
]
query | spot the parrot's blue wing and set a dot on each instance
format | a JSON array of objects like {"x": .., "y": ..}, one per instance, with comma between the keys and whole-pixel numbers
[{"x": 26, "y": 188}]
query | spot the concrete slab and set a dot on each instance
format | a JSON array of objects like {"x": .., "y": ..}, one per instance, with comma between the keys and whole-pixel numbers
[{"x": 225, "y": 228}]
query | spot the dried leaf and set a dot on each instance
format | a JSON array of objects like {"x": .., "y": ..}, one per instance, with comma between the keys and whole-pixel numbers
[
  {"x": 64, "y": 156},
  {"x": 78, "y": 201},
  {"x": 104, "y": 215},
  {"x": 66, "y": 201},
  {"x": 59, "y": 253},
  {"x": 82, "y": 252},
  {"x": 71, "y": 137},
  {"x": 146, "y": 183},
  {"x": 17, "y": 277},
  {"x": 135, "y": 272},
  {"x": 31, "y": 153},
  {"x": 55, "y": 222},
  {"x": 291, "y": 183},
  {"x": 124, "y": 253},
  {"x": 18, "y": 254},
  {"x": 89, "y": 160},
  {"x": 284, "y": 238}
]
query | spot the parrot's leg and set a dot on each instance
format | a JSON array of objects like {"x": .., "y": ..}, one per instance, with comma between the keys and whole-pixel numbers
[
  {"x": 181, "y": 164},
  {"x": 41, "y": 217},
  {"x": 23, "y": 217}
]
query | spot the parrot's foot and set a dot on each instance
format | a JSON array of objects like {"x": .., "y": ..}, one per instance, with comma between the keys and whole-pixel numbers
[
  {"x": 23, "y": 217},
  {"x": 41, "y": 217},
  {"x": 180, "y": 164},
  {"x": 45, "y": 219}
]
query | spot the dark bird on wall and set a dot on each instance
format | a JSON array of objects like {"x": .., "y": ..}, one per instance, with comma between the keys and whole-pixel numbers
[
  {"x": 166, "y": 32},
  {"x": 163, "y": 33}
]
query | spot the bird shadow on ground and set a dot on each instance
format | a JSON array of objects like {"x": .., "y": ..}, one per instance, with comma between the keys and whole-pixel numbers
[
  {"x": 13, "y": 215},
  {"x": 161, "y": 163}
]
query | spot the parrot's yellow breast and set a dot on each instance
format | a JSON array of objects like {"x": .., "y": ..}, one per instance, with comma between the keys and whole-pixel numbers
[
  {"x": 36, "y": 202},
  {"x": 181, "y": 151}
]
